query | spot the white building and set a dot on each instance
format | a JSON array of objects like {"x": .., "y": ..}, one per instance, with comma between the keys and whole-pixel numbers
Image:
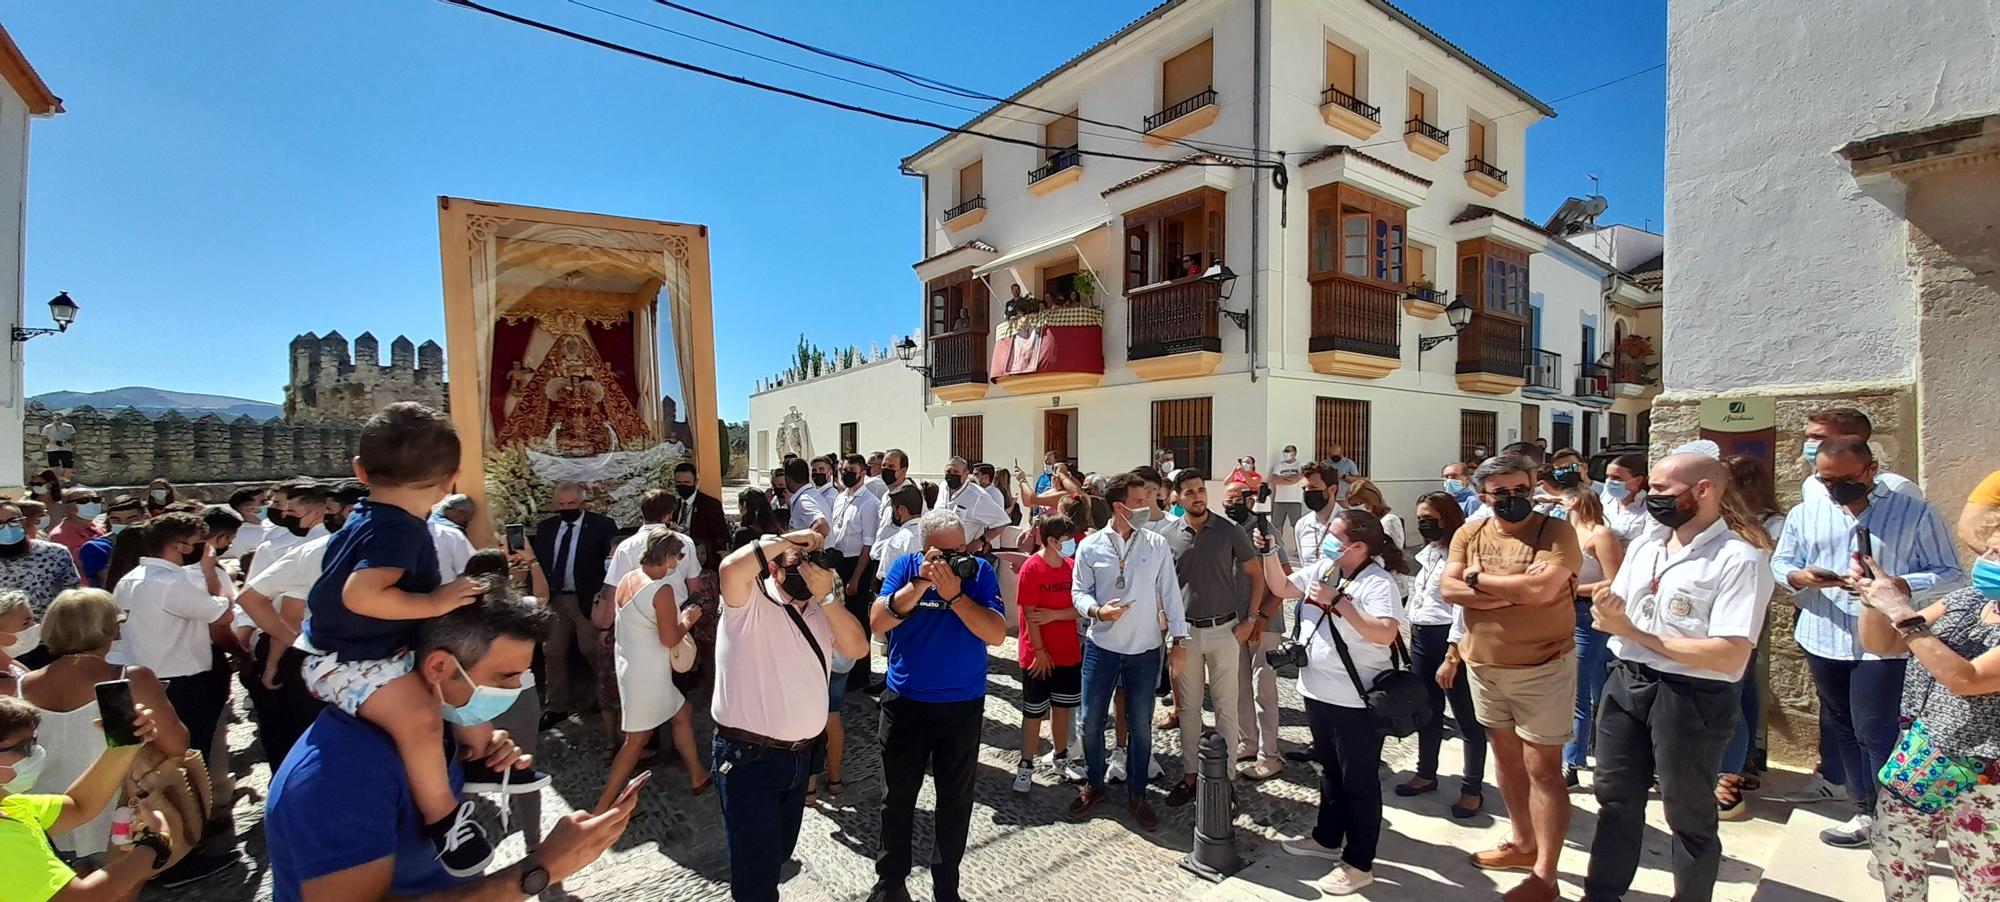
[
  {"x": 1401, "y": 190},
  {"x": 874, "y": 405},
  {"x": 26, "y": 96}
]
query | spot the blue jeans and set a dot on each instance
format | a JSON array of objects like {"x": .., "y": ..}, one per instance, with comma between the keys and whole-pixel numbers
[
  {"x": 1736, "y": 755},
  {"x": 1862, "y": 701},
  {"x": 1593, "y": 661},
  {"x": 1104, "y": 671},
  {"x": 763, "y": 793}
]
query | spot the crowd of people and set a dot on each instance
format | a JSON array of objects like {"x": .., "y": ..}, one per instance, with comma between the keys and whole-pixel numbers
[{"x": 1581, "y": 635}]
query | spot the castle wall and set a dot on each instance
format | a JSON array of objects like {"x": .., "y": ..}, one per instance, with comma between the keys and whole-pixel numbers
[
  {"x": 125, "y": 447},
  {"x": 328, "y": 385}
]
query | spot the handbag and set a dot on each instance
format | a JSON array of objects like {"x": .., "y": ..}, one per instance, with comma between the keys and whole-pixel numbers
[
  {"x": 1398, "y": 703},
  {"x": 1923, "y": 776}
]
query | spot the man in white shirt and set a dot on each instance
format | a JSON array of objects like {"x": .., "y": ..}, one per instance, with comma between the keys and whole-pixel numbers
[
  {"x": 298, "y": 512},
  {"x": 874, "y": 483},
  {"x": 1845, "y": 422},
  {"x": 56, "y": 438},
  {"x": 1684, "y": 614},
  {"x": 453, "y": 549},
  {"x": 248, "y": 503},
  {"x": 660, "y": 508},
  {"x": 279, "y": 702},
  {"x": 901, "y": 536},
  {"x": 984, "y": 474},
  {"x": 975, "y": 506},
  {"x": 824, "y": 487},
  {"x": 1311, "y": 529},
  {"x": 894, "y": 472},
  {"x": 1287, "y": 490},
  {"x": 807, "y": 512},
  {"x": 1124, "y": 583},
  {"x": 168, "y": 613},
  {"x": 853, "y": 533}
]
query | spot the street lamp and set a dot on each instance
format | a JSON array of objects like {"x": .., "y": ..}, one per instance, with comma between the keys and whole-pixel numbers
[
  {"x": 906, "y": 351},
  {"x": 1459, "y": 315},
  {"x": 1224, "y": 280},
  {"x": 61, "y": 309}
]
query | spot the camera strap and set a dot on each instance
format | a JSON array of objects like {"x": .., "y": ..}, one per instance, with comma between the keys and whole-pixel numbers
[{"x": 791, "y": 610}]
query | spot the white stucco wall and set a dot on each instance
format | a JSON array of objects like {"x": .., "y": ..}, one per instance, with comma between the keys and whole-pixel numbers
[
  {"x": 1775, "y": 250},
  {"x": 885, "y": 399},
  {"x": 13, "y": 208}
]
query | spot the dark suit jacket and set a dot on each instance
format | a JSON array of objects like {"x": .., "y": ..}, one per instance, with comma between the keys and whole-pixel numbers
[
  {"x": 593, "y": 549},
  {"x": 710, "y": 529}
]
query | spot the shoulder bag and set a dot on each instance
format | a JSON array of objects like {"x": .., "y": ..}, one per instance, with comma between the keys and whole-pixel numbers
[{"x": 1398, "y": 703}]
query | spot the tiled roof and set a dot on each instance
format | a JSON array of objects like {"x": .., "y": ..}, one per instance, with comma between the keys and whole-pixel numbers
[
  {"x": 1650, "y": 273},
  {"x": 1165, "y": 168},
  {"x": 1478, "y": 211},
  {"x": 1386, "y": 8},
  {"x": 1335, "y": 150},
  {"x": 973, "y": 245}
]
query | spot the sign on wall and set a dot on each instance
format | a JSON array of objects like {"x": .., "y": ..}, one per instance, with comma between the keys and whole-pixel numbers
[{"x": 1742, "y": 425}]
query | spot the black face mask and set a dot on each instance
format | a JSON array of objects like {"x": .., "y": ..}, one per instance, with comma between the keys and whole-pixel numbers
[
  {"x": 1430, "y": 529},
  {"x": 287, "y": 521},
  {"x": 794, "y": 584},
  {"x": 889, "y": 475},
  {"x": 850, "y": 479},
  {"x": 685, "y": 491},
  {"x": 1237, "y": 512},
  {"x": 819, "y": 479},
  {"x": 1315, "y": 500},
  {"x": 952, "y": 481},
  {"x": 1668, "y": 511},
  {"x": 1335, "y": 458},
  {"x": 334, "y": 522},
  {"x": 1513, "y": 508},
  {"x": 1848, "y": 492},
  {"x": 570, "y": 516}
]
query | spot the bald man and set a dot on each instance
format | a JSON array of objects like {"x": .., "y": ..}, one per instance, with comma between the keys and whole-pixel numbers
[{"x": 1684, "y": 614}]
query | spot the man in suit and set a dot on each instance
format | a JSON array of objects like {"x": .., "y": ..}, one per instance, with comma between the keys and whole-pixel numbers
[
  {"x": 571, "y": 547},
  {"x": 701, "y": 517}
]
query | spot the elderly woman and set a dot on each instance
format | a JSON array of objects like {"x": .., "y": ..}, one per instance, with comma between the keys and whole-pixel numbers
[
  {"x": 1943, "y": 781},
  {"x": 79, "y": 629},
  {"x": 29, "y": 868}
]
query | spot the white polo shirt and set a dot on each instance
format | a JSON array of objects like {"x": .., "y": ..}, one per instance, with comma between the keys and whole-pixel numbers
[
  {"x": 806, "y": 510},
  {"x": 853, "y": 524},
  {"x": 167, "y": 616},
  {"x": 885, "y": 518},
  {"x": 1140, "y": 572},
  {"x": 977, "y": 508},
  {"x": 899, "y": 541},
  {"x": 278, "y": 540},
  {"x": 454, "y": 550},
  {"x": 293, "y": 573},
  {"x": 625, "y": 559},
  {"x": 1714, "y": 587}
]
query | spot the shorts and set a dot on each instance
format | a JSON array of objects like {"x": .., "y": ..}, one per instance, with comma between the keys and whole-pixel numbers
[
  {"x": 1062, "y": 688},
  {"x": 1538, "y": 703},
  {"x": 63, "y": 459},
  {"x": 348, "y": 684},
  {"x": 836, "y": 693}
]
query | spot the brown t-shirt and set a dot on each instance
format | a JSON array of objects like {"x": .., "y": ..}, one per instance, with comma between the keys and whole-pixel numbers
[{"x": 1519, "y": 635}]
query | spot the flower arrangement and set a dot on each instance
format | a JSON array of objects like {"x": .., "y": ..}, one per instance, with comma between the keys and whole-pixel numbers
[{"x": 520, "y": 480}]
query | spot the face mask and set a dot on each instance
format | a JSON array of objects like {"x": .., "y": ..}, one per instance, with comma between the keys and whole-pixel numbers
[
  {"x": 486, "y": 703},
  {"x": 89, "y": 511},
  {"x": 158, "y": 494},
  {"x": 25, "y": 641},
  {"x": 334, "y": 522},
  {"x": 819, "y": 479},
  {"x": 286, "y": 521},
  {"x": 952, "y": 481},
  {"x": 1430, "y": 529},
  {"x": 13, "y": 534},
  {"x": 1985, "y": 578},
  {"x": 1811, "y": 451},
  {"x": 1668, "y": 511},
  {"x": 116, "y": 528},
  {"x": 889, "y": 475},
  {"x": 1330, "y": 549},
  {"x": 570, "y": 516},
  {"x": 1841, "y": 492},
  {"x": 1237, "y": 512},
  {"x": 1069, "y": 547},
  {"x": 685, "y": 491},
  {"x": 1454, "y": 486},
  {"x": 1617, "y": 490},
  {"x": 1479, "y": 453},
  {"x": 1137, "y": 519},
  {"x": 1513, "y": 508},
  {"x": 850, "y": 479},
  {"x": 1335, "y": 458},
  {"x": 27, "y": 770},
  {"x": 1315, "y": 500},
  {"x": 264, "y": 513},
  {"x": 794, "y": 583},
  {"x": 1568, "y": 478},
  {"x": 1290, "y": 455}
]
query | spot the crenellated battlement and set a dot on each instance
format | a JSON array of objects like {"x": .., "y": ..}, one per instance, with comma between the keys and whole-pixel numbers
[{"x": 328, "y": 383}]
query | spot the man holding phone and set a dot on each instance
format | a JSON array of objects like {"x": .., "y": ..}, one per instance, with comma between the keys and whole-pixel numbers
[{"x": 1860, "y": 693}]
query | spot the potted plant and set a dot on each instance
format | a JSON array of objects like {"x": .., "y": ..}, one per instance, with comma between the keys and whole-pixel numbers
[
  {"x": 1086, "y": 286},
  {"x": 1424, "y": 290}
]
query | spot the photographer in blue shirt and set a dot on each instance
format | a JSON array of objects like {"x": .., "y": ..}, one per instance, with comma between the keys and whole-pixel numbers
[{"x": 940, "y": 610}]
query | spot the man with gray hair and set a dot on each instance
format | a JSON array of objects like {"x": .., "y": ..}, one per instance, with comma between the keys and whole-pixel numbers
[
  {"x": 940, "y": 611},
  {"x": 454, "y": 511},
  {"x": 571, "y": 548}
]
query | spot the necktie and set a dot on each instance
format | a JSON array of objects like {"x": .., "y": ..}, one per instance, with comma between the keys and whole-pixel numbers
[{"x": 564, "y": 583}]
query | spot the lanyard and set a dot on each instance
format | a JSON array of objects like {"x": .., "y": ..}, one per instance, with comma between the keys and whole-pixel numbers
[{"x": 1124, "y": 552}]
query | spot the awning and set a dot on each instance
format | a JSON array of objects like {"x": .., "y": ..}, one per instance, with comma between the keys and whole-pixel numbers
[{"x": 1037, "y": 248}]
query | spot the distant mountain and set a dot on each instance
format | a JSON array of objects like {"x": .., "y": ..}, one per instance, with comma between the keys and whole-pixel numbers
[{"x": 156, "y": 401}]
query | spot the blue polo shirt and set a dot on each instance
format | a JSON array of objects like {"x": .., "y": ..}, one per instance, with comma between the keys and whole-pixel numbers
[
  {"x": 932, "y": 656},
  {"x": 375, "y": 536},
  {"x": 341, "y": 800}
]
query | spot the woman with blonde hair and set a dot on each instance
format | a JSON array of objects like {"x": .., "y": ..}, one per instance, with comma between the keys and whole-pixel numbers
[
  {"x": 649, "y": 623},
  {"x": 1603, "y": 552}
]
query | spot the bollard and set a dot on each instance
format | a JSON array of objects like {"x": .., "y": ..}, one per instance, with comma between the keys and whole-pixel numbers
[{"x": 1213, "y": 857}]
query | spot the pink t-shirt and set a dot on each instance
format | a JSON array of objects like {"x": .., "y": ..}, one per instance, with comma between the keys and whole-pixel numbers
[
  {"x": 767, "y": 680},
  {"x": 73, "y": 537}
]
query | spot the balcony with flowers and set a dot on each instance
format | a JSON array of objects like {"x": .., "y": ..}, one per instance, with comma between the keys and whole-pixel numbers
[{"x": 1048, "y": 347}]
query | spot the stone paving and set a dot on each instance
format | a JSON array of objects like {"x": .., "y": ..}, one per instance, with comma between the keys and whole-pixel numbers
[{"x": 1021, "y": 846}]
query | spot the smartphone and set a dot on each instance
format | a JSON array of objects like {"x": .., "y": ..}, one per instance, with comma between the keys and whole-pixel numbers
[
  {"x": 1864, "y": 543},
  {"x": 1823, "y": 573},
  {"x": 114, "y": 707},
  {"x": 517, "y": 536},
  {"x": 631, "y": 788}
]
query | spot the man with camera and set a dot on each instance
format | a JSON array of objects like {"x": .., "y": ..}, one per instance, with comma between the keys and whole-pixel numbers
[
  {"x": 940, "y": 611},
  {"x": 1212, "y": 557},
  {"x": 781, "y": 622}
]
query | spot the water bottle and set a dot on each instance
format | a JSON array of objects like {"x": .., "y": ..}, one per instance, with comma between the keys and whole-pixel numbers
[{"x": 121, "y": 826}]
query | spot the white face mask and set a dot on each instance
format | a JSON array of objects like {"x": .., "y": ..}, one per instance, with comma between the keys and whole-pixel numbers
[
  {"x": 27, "y": 770},
  {"x": 89, "y": 511},
  {"x": 158, "y": 494},
  {"x": 25, "y": 641}
]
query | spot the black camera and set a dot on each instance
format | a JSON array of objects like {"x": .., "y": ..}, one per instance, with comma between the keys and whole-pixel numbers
[
  {"x": 1288, "y": 655},
  {"x": 826, "y": 558},
  {"x": 965, "y": 565}
]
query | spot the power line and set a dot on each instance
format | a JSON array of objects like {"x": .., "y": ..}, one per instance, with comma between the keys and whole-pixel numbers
[{"x": 824, "y": 101}]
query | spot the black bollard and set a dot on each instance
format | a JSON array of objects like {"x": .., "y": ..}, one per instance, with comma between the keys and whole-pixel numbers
[{"x": 1214, "y": 854}]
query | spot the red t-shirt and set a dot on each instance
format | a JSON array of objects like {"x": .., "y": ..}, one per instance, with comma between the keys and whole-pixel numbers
[{"x": 1046, "y": 585}]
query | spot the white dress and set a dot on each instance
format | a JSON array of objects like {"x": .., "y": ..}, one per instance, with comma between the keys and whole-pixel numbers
[
  {"x": 74, "y": 741},
  {"x": 645, "y": 678}
]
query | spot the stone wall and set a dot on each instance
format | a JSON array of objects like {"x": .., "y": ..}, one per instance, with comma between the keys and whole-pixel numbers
[
  {"x": 326, "y": 385},
  {"x": 125, "y": 447}
]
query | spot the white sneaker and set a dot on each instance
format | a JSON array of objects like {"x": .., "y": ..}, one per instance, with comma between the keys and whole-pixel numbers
[
  {"x": 1047, "y": 760},
  {"x": 1072, "y": 769},
  {"x": 1817, "y": 789},
  {"x": 1851, "y": 835},
  {"x": 1344, "y": 880},
  {"x": 1153, "y": 769},
  {"x": 1114, "y": 770},
  {"x": 1024, "y": 777},
  {"x": 1310, "y": 848}
]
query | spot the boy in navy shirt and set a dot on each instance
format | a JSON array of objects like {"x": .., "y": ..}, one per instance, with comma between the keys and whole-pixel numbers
[{"x": 378, "y": 584}]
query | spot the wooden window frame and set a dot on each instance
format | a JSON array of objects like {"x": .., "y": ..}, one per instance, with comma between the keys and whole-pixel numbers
[
  {"x": 1352, "y": 61},
  {"x": 1493, "y": 279},
  {"x": 1471, "y": 436},
  {"x": 1186, "y": 426},
  {"x": 968, "y": 437},
  {"x": 955, "y": 290},
  {"x": 1050, "y": 140},
  {"x": 850, "y": 438},
  {"x": 1146, "y": 229},
  {"x": 1385, "y": 238},
  {"x": 959, "y": 182},
  {"x": 1343, "y": 420}
]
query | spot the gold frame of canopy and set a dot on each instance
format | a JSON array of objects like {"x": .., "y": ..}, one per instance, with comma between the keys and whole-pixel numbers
[{"x": 480, "y": 242}]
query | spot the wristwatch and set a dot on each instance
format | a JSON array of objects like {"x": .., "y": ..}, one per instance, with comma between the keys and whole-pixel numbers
[
  {"x": 534, "y": 879},
  {"x": 1472, "y": 579}
]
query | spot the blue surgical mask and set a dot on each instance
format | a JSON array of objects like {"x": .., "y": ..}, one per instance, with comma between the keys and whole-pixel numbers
[
  {"x": 1454, "y": 486},
  {"x": 1069, "y": 547},
  {"x": 1986, "y": 577},
  {"x": 1331, "y": 548},
  {"x": 1616, "y": 490},
  {"x": 486, "y": 703},
  {"x": 115, "y": 528},
  {"x": 1812, "y": 452},
  {"x": 89, "y": 511},
  {"x": 13, "y": 534}
]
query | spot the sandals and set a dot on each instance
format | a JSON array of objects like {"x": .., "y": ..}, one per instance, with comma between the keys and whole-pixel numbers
[
  {"x": 835, "y": 787},
  {"x": 705, "y": 786}
]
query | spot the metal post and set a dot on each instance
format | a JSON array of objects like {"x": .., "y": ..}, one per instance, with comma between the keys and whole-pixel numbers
[{"x": 1213, "y": 857}]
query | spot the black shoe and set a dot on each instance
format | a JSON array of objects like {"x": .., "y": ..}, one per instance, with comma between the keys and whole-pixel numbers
[
  {"x": 198, "y": 866},
  {"x": 1302, "y": 755},
  {"x": 461, "y": 843},
  {"x": 874, "y": 690},
  {"x": 1181, "y": 794},
  {"x": 519, "y": 781},
  {"x": 550, "y": 719},
  {"x": 1569, "y": 776},
  {"x": 1461, "y": 812},
  {"x": 1411, "y": 788}
]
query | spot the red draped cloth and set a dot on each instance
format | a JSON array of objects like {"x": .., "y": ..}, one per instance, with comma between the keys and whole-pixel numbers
[{"x": 1049, "y": 349}]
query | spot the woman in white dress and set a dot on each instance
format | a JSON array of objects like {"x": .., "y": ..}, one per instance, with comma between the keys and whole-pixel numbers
[{"x": 649, "y": 623}]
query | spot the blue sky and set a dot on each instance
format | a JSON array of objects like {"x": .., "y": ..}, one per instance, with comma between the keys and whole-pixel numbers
[{"x": 232, "y": 173}]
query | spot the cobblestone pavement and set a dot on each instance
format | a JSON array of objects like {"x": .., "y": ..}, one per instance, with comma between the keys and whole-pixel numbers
[{"x": 1021, "y": 846}]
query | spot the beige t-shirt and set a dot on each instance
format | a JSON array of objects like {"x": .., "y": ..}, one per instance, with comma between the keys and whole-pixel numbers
[{"x": 1519, "y": 635}]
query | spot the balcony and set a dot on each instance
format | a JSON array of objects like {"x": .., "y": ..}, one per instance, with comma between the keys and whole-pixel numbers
[
  {"x": 1424, "y": 139},
  {"x": 1054, "y": 349},
  {"x": 1173, "y": 329},
  {"x": 1425, "y": 301},
  {"x": 1182, "y": 119},
  {"x": 1354, "y": 329},
  {"x": 1630, "y": 378},
  {"x": 1545, "y": 375},
  {"x": 966, "y": 215},
  {"x": 1485, "y": 177},
  {"x": 1593, "y": 383},
  {"x": 1493, "y": 355},
  {"x": 958, "y": 365},
  {"x": 1349, "y": 113},
  {"x": 1064, "y": 167}
]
